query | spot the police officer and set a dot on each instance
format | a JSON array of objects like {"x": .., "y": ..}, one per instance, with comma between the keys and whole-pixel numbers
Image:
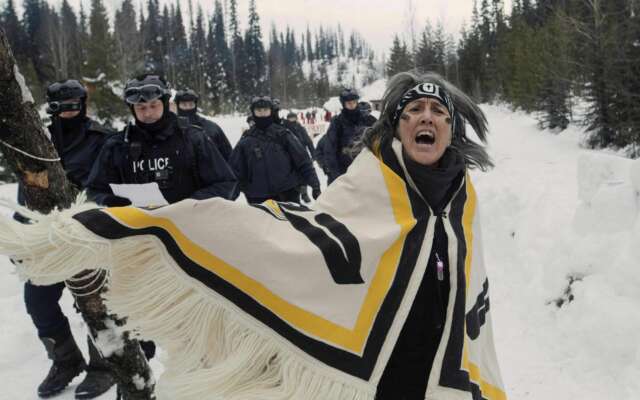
[
  {"x": 291, "y": 123},
  {"x": 78, "y": 140},
  {"x": 365, "y": 109},
  {"x": 187, "y": 105},
  {"x": 269, "y": 161},
  {"x": 344, "y": 130},
  {"x": 160, "y": 147}
]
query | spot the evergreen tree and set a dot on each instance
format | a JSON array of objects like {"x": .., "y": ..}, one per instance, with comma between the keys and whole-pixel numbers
[
  {"x": 198, "y": 53},
  {"x": 36, "y": 41},
  {"x": 256, "y": 57},
  {"x": 83, "y": 29},
  {"x": 310, "y": 54},
  {"x": 598, "y": 47},
  {"x": 519, "y": 55},
  {"x": 71, "y": 33},
  {"x": 400, "y": 59},
  {"x": 127, "y": 41},
  {"x": 220, "y": 64},
  {"x": 178, "y": 49},
  {"x": 99, "y": 67},
  {"x": 236, "y": 47},
  {"x": 100, "y": 46},
  {"x": 13, "y": 30},
  {"x": 276, "y": 65},
  {"x": 556, "y": 71},
  {"x": 153, "y": 57}
]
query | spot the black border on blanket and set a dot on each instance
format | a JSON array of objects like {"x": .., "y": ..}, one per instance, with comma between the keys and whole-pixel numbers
[{"x": 359, "y": 366}]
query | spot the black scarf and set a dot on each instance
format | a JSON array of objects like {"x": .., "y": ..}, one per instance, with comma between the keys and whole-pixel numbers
[
  {"x": 352, "y": 115},
  {"x": 66, "y": 133},
  {"x": 191, "y": 114},
  {"x": 436, "y": 184},
  {"x": 263, "y": 123}
]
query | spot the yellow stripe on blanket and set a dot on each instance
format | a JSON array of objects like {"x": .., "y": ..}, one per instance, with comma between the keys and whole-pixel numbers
[{"x": 349, "y": 338}]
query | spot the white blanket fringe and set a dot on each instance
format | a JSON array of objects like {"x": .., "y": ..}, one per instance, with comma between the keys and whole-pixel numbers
[{"x": 215, "y": 351}]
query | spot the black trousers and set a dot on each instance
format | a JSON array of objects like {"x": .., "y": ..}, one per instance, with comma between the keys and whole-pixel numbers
[{"x": 46, "y": 314}]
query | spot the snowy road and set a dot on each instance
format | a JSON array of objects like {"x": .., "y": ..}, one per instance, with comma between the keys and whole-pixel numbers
[{"x": 587, "y": 349}]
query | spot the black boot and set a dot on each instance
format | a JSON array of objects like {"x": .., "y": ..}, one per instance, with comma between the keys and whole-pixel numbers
[
  {"x": 67, "y": 364},
  {"x": 99, "y": 378}
]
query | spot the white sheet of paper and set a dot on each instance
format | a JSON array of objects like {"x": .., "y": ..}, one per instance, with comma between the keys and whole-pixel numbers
[{"x": 140, "y": 194}]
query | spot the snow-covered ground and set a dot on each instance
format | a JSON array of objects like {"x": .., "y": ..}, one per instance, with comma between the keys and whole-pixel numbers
[{"x": 553, "y": 214}]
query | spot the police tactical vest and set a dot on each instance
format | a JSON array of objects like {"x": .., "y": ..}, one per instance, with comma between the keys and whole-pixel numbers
[{"x": 170, "y": 162}]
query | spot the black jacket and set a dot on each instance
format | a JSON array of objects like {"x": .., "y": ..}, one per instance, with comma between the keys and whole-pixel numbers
[
  {"x": 78, "y": 149},
  {"x": 342, "y": 133},
  {"x": 406, "y": 374},
  {"x": 216, "y": 134},
  {"x": 319, "y": 154},
  {"x": 270, "y": 162},
  {"x": 301, "y": 133},
  {"x": 181, "y": 159}
]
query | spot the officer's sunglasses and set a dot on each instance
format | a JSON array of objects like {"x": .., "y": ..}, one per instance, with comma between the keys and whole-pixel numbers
[{"x": 141, "y": 94}]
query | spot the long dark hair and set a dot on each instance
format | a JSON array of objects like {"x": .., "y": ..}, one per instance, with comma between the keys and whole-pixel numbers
[{"x": 467, "y": 111}]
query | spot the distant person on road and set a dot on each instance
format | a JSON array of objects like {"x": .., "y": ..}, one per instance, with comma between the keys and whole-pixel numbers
[
  {"x": 365, "y": 109},
  {"x": 344, "y": 130},
  {"x": 187, "y": 105},
  {"x": 269, "y": 161},
  {"x": 291, "y": 123}
]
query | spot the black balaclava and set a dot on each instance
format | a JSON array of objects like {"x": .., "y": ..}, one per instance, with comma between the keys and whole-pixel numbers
[
  {"x": 191, "y": 114},
  {"x": 352, "y": 115},
  {"x": 67, "y": 132},
  {"x": 184, "y": 96},
  {"x": 263, "y": 122}
]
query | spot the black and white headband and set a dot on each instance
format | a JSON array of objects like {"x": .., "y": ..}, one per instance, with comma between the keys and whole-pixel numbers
[{"x": 420, "y": 91}]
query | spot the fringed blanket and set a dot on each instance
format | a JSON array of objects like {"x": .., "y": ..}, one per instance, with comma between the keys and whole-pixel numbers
[{"x": 279, "y": 301}]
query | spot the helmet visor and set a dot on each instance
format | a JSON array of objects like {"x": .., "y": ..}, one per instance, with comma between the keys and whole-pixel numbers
[{"x": 143, "y": 94}]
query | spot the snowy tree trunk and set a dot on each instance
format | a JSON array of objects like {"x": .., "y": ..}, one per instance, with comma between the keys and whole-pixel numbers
[{"x": 45, "y": 188}]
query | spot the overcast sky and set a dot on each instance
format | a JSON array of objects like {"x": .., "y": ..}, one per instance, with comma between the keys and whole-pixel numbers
[{"x": 376, "y": 20}]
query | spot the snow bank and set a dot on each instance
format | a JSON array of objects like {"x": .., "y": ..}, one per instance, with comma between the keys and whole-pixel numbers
[
  {"x": 561, "y": 231},
  {"x": 607, "y": 193}
]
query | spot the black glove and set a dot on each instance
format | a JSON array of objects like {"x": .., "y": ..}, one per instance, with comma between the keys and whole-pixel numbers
[
  {"x": 111, "y": 200},
  {"x": 315, "y": 193}
]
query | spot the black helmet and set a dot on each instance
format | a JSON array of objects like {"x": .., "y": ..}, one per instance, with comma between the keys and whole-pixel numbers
[
  {"x": 186, "y": 95},
  {"x": 261, "y": 102},
  {"x": 63, "y": 90},
  {"x": 348, "y": 95},
  {"x": 292, "y": 115},
  {"x": 146, "y": 88}
]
